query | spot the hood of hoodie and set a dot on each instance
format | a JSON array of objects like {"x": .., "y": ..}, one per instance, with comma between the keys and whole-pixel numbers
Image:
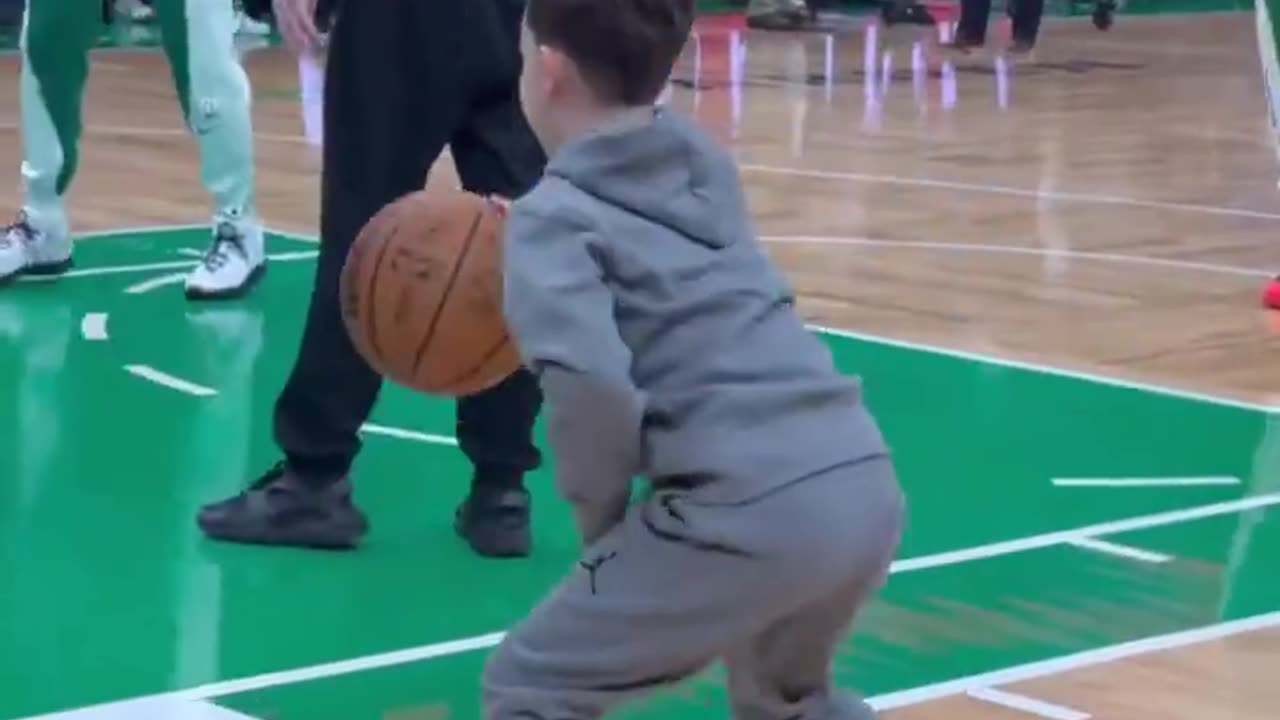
[{"x": 668, "y": 171}]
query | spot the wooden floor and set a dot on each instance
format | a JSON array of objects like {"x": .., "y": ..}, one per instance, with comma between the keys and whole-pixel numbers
[{"x": 1110, "y": 209}]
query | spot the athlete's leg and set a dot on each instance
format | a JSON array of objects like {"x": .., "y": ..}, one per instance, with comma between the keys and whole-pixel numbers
[
  {"x": 199, "y": 38},
  {"x": 1269, "y": 50},
  {"x": 56, "y": 36}
]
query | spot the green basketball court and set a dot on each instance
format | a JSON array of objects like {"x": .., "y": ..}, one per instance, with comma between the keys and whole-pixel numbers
[{"x": 1050, "y": 514}]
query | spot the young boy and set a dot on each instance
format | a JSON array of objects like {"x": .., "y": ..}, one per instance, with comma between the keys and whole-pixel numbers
[{"x": 669, "y": 348}]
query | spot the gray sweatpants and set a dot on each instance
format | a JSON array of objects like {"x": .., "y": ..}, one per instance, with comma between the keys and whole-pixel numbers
[{"x": 770, "y": 585}]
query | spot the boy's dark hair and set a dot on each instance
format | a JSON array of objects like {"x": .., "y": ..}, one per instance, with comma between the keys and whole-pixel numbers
[{"x": 625, "y": 49}]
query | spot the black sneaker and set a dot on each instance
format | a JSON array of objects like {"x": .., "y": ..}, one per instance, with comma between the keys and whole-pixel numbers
[
  {"x": 495, "y": 523},
  {"x": 282, "y": 509}
]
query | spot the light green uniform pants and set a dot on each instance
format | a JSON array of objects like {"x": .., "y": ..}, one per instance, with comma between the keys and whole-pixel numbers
[
  {"x": 1269, "y": 49},
  {"x": 212, "y": 86}
]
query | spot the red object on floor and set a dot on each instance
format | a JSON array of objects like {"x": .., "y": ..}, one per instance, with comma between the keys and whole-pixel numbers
[{"x": 1271, "y": 295}]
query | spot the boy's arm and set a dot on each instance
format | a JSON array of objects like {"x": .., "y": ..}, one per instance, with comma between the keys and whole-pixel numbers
[{"x": 561, "y": 315}]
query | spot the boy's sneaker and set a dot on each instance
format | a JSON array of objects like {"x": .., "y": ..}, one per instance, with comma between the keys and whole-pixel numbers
[
  {"x": 283, "y": 508},
  {"x": 234, "y": 263},
  {"x": 28, "y": 250},
  {"x": 495, "y": 522}
]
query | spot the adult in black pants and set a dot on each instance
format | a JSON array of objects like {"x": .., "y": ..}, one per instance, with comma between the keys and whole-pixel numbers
[
  {"x": 971, "y": 30},
  {"x": 404, "y": 79}
]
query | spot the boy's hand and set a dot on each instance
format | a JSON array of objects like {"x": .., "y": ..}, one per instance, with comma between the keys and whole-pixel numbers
[{"x": 503, "y": 204}]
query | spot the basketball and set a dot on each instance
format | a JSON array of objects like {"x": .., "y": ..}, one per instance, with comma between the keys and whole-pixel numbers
[{"x": 421, "y": 293}]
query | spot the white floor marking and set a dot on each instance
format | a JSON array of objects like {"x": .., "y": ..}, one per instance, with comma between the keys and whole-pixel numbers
[
  {"x": 480, "y": 642},
  {"x": 994, "y": 360},
  {"x": 146, "y": 372},
  {"x": 1028, "y": 705},
  {"x": 165, "y": 265},
  {"x": 1124, "y": 551},
  {"x": 154, "y": 283},
  {"x": 402, "y": 434},
  {"x": 1097, "y": 199},
  {"x": 1077, "y": 661},
  {"x": 1148, "y": 482},
  {"x": 1142, "y": 522},
  {"x": 1047, "y": 369},
  {"x": 1017, "y": 250},
  {"x": 157, "y": 708},
  {"x": 190, "y": 252},
  {"x": 93, "y": 326}
]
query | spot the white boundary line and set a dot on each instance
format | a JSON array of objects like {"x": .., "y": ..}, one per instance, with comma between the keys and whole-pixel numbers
[
  {"x": 1027, "y": 705},
  {"x": 1124, "y": 551},
  {"x": 454, "y": 647},
  {"x": 146, "y": 372},
  {"x": 403, "y": 434},
  {"x": 155, "y": 283},
  {"x": 1048, "y": 370},
  {"x": 1147, "y": 482},
  {"x": 1076, "y": 661},
  {"x": 1141, "y": 522},
  {"x": 1097, "y": 199},
  {"x": 857, "y": 241},
  {"x": 822, "y": 329}
]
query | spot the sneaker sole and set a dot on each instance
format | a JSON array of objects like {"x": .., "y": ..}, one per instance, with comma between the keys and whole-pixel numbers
[
  {"x": 43, "y": 270},
  {"x": 255, "y": 276},
  {"x": 505, "y": 543},
  {"x": 347, "y": 538}
]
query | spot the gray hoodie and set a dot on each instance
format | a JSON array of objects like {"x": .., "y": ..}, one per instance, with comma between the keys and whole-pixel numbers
[{"x": 667, "y": 344}]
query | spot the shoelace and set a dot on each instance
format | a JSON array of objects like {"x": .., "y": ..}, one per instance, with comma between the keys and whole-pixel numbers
[
  {"x": 226, "y": 239},
  {"x": 18, "y": 232},
  {"x": 270, "y": 476}
]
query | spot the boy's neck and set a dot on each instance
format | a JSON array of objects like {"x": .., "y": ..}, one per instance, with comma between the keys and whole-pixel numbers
[{"x": 586, "y": 121}]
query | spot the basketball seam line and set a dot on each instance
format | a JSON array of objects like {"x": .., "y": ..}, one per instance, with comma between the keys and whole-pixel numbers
[
  {"x": 448, "y": 292},
  {"x": 484, "y": 360},
  {"x": 373, "y": 297}
]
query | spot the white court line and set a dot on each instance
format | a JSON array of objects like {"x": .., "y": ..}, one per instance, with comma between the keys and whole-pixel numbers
[
  {"x": 1046, "y": 369},
  {"x": 1124, "y": 551},
  {"x": 992, "y": 359},
  {"x": 146, "y": 372},
  {"x": 1027, "y": 705},
  {"x": 166, "y": 265},
  {"x": 93, "y": 326},
  {"x": 158, "y": 708},
  {"x": 1142, "y": 522},
  {"x": 1149, "y": 482},
  {"x": 154, "y": 283},
  {"x": 454, "y": 647},
  {"x": 1077, "y": 661},
  {"x": 1096, "y": 199},
  {"x": 402, "y": 434},
  {"x": 1017, "y": 250}
]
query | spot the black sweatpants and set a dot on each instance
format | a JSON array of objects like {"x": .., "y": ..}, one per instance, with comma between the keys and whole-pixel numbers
[
  {"x": 974, "y": 14},
  {"x": 405, "y": 79}
]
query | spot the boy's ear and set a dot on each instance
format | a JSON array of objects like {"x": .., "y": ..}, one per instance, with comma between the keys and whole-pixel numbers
[{"x": 555, "y": 67}]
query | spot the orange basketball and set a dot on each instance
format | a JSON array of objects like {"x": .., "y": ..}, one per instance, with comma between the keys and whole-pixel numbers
[{"x": 422, "y": 293}]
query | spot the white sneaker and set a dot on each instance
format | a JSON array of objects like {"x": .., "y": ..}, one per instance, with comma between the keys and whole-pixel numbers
[
  {"x": 248, "y": 26},
  {"x": 234, "y": 263},
  {"x": 28, "y": 250},
  {"x": 142, "y": 13}
]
